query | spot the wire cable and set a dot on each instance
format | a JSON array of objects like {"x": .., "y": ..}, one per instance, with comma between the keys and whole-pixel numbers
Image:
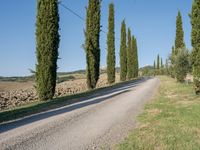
[{"x": 77, "y": 15}]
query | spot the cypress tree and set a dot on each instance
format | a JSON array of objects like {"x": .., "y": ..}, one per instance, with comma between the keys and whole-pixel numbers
[
  {"x": 161, "y": 62},
  {"x": 195, "y": 21},
  {"x": 123, "y": 54},
  {"x": 158, "y": 62},
  {"x": 179, "y": 41},
  {"x": 158, "y": 65},
  {"x": 179, "y": 46},
  {"x": 111, "y": 46},
  {"x": 161, "y": 67},
  {"x": 92, "y": 47},
  {"x": 47, "y": 43},
  {"x": 166, "y": 67},
  {"x": 136, "y": 62},
  {"x": 154, "y": 65},
  {"x": 172, "y": 59},
  {"x": 135, "y": 57},
  {"x": 130, "y": 57}
]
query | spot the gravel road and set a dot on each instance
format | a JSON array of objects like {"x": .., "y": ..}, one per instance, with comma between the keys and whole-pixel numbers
[{"x": 97, "y": 122}]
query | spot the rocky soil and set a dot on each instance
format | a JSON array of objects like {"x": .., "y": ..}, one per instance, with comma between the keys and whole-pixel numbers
[{"x": 11, "y": 96}]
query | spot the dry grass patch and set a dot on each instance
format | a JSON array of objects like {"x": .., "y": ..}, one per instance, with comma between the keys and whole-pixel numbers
[{"x": 154, "y": 112}]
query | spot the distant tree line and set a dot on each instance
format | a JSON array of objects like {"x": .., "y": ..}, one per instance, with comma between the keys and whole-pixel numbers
[
  {"x": 158, "y": 66},
  {"x": 47, "y": 44}
]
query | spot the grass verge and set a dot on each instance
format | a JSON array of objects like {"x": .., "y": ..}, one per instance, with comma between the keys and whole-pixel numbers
[
  {"x": 171, "y": 121},
  {"x": 40, "y": 106}
]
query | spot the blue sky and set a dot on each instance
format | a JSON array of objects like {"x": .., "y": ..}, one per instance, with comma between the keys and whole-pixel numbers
[{"x": 151, "y": 21}]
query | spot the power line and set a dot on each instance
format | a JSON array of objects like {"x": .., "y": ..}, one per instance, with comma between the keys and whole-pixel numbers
[
  {"x": 70, "y": 10},
  {"x": 77, "y": 15}
]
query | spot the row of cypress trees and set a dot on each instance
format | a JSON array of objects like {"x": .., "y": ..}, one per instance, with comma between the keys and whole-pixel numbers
[
  {"x": 158, "y": 66},
  {"x": 128, "y": 54},
  {"x": 47, "y": 44},
  {"x": 128, "y": 51}
]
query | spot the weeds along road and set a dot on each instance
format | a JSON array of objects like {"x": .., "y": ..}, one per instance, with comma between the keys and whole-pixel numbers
[{"x": 101, "y": 121}]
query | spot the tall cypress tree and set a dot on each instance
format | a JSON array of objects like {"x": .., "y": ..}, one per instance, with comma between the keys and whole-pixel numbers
[
  {"x": 134, "y": 57},
  {"x": 161, "y": 62},
  {"x": 123, "y": 54},
  {"x": 111, "y": 46},
  {"x": 136, "y": 62},
  {"x": 130, "y": 55},
  {"x": 161, "y": 67},
  {"x": 92, "y": 47},
  {"x": 166, "y": 67},
  {"x": 133, "y": 47},
  {"x": 179, "y": 41},
  {"x": 47, "y": 43},
  {"x": 154, "y": 65},
  {"x": 195, "y": 21},
  {"x": 158, "y": 62},
  {"x": 172, "y": 59},
  {"x": 179, "y": 47}
]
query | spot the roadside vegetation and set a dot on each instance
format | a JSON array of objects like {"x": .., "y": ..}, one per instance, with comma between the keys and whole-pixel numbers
[{"x": 170, "y": 121}]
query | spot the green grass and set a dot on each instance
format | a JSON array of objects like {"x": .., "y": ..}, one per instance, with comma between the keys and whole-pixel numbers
[
  {"x": 40, "y": 106},
  {"x": 171, "y": 121}
]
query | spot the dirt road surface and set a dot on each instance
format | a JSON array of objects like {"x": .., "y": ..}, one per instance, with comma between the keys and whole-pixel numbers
[{"x": 96, "y": 122}]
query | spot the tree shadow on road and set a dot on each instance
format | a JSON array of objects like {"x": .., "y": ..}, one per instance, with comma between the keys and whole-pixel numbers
[{"x": 95, "y": 98}]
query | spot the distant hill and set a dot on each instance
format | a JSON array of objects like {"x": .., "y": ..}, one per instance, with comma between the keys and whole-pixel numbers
[
  {"x": 63, "y": 75},
  {"x": 18, "y": 79},
  {"x": 73, "y": 72},
  {"x": 146, "y": 67},
  {"x": 146, "y": 70}
]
